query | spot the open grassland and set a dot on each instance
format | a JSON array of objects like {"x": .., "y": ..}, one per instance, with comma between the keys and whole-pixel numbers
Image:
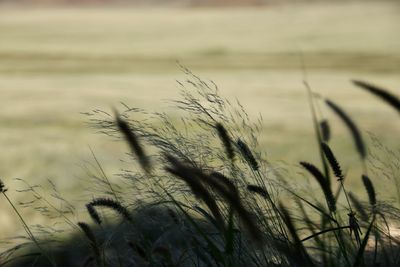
[{"x": 56, "y": 63}]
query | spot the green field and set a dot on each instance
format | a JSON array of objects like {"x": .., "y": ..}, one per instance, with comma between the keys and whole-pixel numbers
[{"x": 57, "y": 63}]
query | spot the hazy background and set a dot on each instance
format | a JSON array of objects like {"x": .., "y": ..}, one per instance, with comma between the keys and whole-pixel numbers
[{"x": 61, "y": 58}]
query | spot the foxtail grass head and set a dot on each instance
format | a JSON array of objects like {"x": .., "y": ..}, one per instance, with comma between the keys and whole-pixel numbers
[
  {"x": 226, "y": 140},
  {"x": 134, "y": 143},
  {"x": 337, "y": 170},
  {"x": 383, "y": 94},
  {"x": 325, "y": 130},
  {"x": 355, "y": 132},
  {"x": 247, "y": 154},
  {"x": 107, "y": 203},
  {"x": 323, "y": 182},
  {"x": 369, "y": 187}
]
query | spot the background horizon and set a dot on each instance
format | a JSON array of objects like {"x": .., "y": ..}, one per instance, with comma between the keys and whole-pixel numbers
[{"x": 170, "y": 3}]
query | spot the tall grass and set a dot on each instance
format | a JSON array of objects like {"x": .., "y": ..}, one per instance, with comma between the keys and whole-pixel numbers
[{"x": 206, "y": 195}]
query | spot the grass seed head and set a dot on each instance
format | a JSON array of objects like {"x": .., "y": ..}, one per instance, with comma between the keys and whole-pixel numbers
[
  {"x": 355, "y": 132},
  {"x": 108, "y": 203},
  {"x": 333, "y": 162},
  {"x": 247, "y": 154},
  {"x": 325, "y": 130},
  {"x": 389, "y": 98},
  {"x": 226, "y": 140},
  {"x": 93, "y": 214},
  {"x": 370, "y": 190},
  {"x": 258, "y": 190},
  {"x": 323, "y": 182},
  {"x": 134, "y": 143}
]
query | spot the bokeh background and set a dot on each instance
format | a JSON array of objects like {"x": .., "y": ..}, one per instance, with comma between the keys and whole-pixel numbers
[{"x": 62, "y": 58}]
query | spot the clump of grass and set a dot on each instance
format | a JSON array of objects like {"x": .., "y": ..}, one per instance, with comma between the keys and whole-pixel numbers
[
  {"x": 219, "y": 211},
  {"x": 298, "y": 253},
  {"x": 191, "y": 177},
  {"x": 32, "y": 237}
]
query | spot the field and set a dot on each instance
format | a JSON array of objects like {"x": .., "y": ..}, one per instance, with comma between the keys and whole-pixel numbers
[{"x": 57, "y": 63}]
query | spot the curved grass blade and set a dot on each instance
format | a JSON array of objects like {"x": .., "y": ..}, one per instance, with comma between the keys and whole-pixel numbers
[{"x": 323, "y": 232}]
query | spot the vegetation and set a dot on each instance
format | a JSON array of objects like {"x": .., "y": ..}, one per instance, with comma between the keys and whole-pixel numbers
[
  {"x": 206, "y": 196},
  {"x": 56, "y": 63}
]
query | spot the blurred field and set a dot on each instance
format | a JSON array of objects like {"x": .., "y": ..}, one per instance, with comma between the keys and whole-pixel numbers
[{"x": 56, "y": 63}]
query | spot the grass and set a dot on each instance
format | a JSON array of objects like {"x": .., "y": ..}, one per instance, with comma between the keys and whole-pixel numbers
[
  {"x": 223, "y": 196},
  {"x": 57, "y": 63}
]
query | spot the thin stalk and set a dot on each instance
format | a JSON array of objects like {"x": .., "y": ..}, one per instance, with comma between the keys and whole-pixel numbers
[
  {"x": 323, "y": 232},
  {"x": 345, "y": 194},
  {"x": 314, "y": 116},
  {"x": 28, "y": 230},
  {"x": 104, "y": 174}
]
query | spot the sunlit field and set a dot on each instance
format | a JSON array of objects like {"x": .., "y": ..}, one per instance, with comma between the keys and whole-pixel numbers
[{"x": 56, "y": 64}]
